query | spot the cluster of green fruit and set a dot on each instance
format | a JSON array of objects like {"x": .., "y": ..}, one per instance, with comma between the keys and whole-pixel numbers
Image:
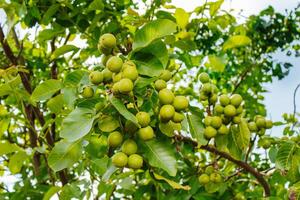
[
  {"x": 210, "y": 175},
  {"x": 259, "y": 125},
  {"x": 171, "y": 105}
]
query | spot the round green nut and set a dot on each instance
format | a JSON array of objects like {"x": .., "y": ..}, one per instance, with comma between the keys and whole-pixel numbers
[
  {"x": 216, "y": 122},
  {"x": 229, "y": 111},
  {"x": 165, "y": 75},
  {"x": 219, "y": 109},
  {"x": 204, "y": 77},
  {"x": 180, "y": 103},
  {"x": 266, "y": 144},
  {"x": 108, "y": 40},
  {"x": 215, "y": 177},
  {"x": 203, "y": 179},
  {"x": 105, "y": 51},
  {"x": 129, "y": 147},
  {"x": 236, "y": 100},
  {"x": 213, "y": 99},
  {"x": 269, "y": 124},
  {"x": 114, "y": 64},
  {"x": 125, "y": 86},
  {"x": 105, "y": 58},
  {"x": 203, "y": 96},
  {"x": 120, "y": 159},
  {"x": 260, "y": 122},
  {"x": 236, "y": 119},
  {"x": 166, "y": 112},
  {"x": 224, "y": 100},
  {"x": 223, "y": 130},
  {"x": 207, "y": 120},
  {"x": 96, "y": 77},
  {"x": 130, "y": 72},
  {"x": 135, "y": 161},
  {"x": 87, "y": 92},
  {"x": 160, "y": 84},
  {"x": 178, "y": 117},
  {"x": 128, "y": 63},
  {"x": 143, "y": 118},
  {"x": 146, "y": 133},
  {"x": 252, "y": 126},
  {"x": 114, "y": 139},
  {"x": 107, "y": 75},
  {"x": 116, "y": 77},
  {"x": 166, "y": 96},
  {"x": 207, "y": 88},
  {"x": 209, "y": 169},
  {"x": 115, "y": 88},
  {"x": 239, "y": 110},
  {"x": 210, "y": 132}
]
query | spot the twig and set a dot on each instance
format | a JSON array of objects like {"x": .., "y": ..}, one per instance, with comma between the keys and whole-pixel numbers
[{"x": 294, "y": 101}]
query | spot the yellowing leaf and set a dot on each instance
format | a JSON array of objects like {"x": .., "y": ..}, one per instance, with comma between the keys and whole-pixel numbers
[
  {"x": 173, "y": 184},
  {"x": 182, "y": 17},
  {"x": 214, "y": 7},
  {"x": 216, "y": 63},
  {"x": 236, "y": 41}
]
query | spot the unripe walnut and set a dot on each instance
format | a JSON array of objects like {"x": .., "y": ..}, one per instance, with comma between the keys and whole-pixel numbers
[
  {"x": 204, "y": 77},
  {"x": 216, "y": 122},
  {"x": 125, "y": 85},
  {"x": 130, "y": 72},
  {"x": 180, "y": 103},
  {"x": 178, "y": 117},
  {"x": 108, "y": 40},
  {"x": 160, "y": 84},
  {"x": 210, "y": 132},
  {"x": 166, "y": 112},
  {"x": 203, "y": 179},
  {"x": 96, "y": 77},
  {"x": 224, "y": 100},
  {"x": 129, "y": 147},
  {"x": 166, "y": 96},
  {"x": 236, "y": 100},
  {"x": 146, "y": 133},
  {"x": 120, "y": 159},
  {"x": 143, "y": 118},
  {"x": 114, "y": 139},
  {"x": 229, "y": 111},
  {"x": 165, "y": 75},
  {"x": 114, "y": 64},
  {"x": 87, "y": 92},
  {"x": 135, "y": 161}
]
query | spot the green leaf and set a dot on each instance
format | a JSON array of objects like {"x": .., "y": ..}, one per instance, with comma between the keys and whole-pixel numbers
[
  {"x": 243, "y": 138},
  {"x": 4, "y": 123},
  {"x": 196, "y": 127},
  {"x": 284, "y": 155},
  {"x": 77, "y": 124},
  {"x": 173, "y": 184},
  {"x": 48, "y": 34},
  {"x": 236, "y": 41},
  {"x": 52, "y": 191},
  {"x": 7, "y": 147},
  {"x": 49, "y": 13},
  {"x": 96, "y": 5},
  {"x": 100, "y": 165},
  {"x": 56, "y": 103},
  {"x": 216, "y": 63},
  {"x": 16, "y": 162},
  {"x": 169, "y": 128},
  {"x": 153, "y": 30},
  {"x": 46, "y": 90},
  {"x": 63, "y": 50},
  {"x": 71, "y": 191},
  {"x": 182, "y": 17},
  {"x": 143, "y": 82},
  {"x": 75, "y": 77},
  {"x": 64, "y": 154},
  {"x": 108, "y": 124},
  {"x": 161, "y": 155},
  {"x": 293, "y": 172},
  {"x": 214, "y": 7},
  {"x": 119, "y": 105}
]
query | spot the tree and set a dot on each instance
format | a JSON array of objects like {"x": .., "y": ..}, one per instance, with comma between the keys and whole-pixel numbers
[{"x": 160, "y": 104}]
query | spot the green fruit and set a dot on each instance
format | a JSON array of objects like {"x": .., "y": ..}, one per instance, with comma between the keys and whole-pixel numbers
[
  {"x": 207, "y": 120},
  {"x": 221, "y": 164},
  {"x": 216, "y": 122},
  {"x": 252, "y": 126},
  {"x": 166, "y": 112},
  {"x": 236, "y": 100},
  {"x": 143, "y": 118},
  {"x": 239, "y": 196},
  {"x": 269, "y": 124},
  {"x": 115, "y": 88},
  {"x": 146, "y": 133},
  {"x": 203, "y": 96},
  {"x": 160, "y": 84},
  {"x": 120, "y": 159},
  {"x": 266, "y": 144},
  {"x": 107, "y": 75},
  {"x": 128, "y": 63},
  {"x": 204, "y": 77},
  {"x": 96, "y": 77},
  {"x": 260, "y": 122},
  {"x": 129, "y": 147},
  {"x": 99, "y": 106},
  {"x": 224, "y": 130},
  {"x": 237, "y": 119},
  {"x": 105, "y": 58},
  {"x": 218, "y": 109},
  {"x": 108, "y": 40},
  {"x": 210, "y": 132},
  {"x": 130, "y": 127},
  {"x": 178, "y": 117},
  {"x": 261, "y": 132},
  {"x": 114, "y": 139},
  {"x": 203, "y": 179},
  {"x": 239, "y": 110},
  {"x": 116, "y": 77},
  {"x": 87, "y": 92},
  {"x": 207, "y": 88},
  {"x": 165, "y": 75},
  {"x": 209, "y": 170},
  {"x": 229, "y": 111},
  {"x": 130, "y": 72},
  {"x": 180, "y": 103},
  {"x": 125, "y": 85},
  {"x": 166, "y": 96},
  {"x": 114, "y": 64},
  {"x": 224, "y": 100},
  {"x": 105, "y": 51},
  {"x": 135, "y": 161},
  {"x": 213, "y": 99},
  {"x": 215, "y": 177}
]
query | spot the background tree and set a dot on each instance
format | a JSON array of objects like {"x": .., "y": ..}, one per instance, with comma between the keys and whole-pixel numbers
[{"x": 66, "y": 110}]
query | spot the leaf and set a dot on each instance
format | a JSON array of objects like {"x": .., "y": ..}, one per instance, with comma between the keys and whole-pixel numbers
[
  {"x": 243, "y": 138},
  {"x": 71, "y": 191},
  {"x": 108, "y": 124},
  {"x": 63, "y": 50},
  {"x": 16, "y": 162},
  {"x": 53, "y": 190},
  {"x": 215, "y": 63},
  {"x": 284, "y": 155},
  {"x": 293, "y": 172},
  {"x": 214, "y": 7},
  {"x": 173, "y": 184},
  {"x": 48, "y": 34},
  {"x": 119, "y": 105},
  {"x": 161, "y": 155},
  {"x": 143, "y": 82},
  {"x": 77, "y": 124},
  {"x": 64, "y": 154},
  {"x": 46, "y": 90},
  {"x": 153, "y": 30},
  {"x": 75, "y": 77},
  {"x": 7, "y": 147},
  {"x": 196, "y": 128},
  {"x": 4, "y": 123},
  {"x": 56, "y": 103},
  {"x": 100, "y": 165},
  {"x": 169, "y": 128},
  {"x": 96, "y": 5},
  {"x": 236, "y": 41},
  {"x": 49, "y": 13},
  {"x": 182, "y": 17}
]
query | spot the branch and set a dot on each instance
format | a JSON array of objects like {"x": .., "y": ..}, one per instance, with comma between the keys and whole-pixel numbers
[
  {"x": 243, "y": 76},
  {"x": 240, "y": 163}
]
